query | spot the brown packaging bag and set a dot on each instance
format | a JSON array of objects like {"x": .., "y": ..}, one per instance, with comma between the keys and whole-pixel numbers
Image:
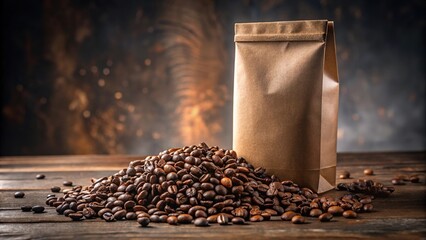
[{"x": 286, "y": 92}]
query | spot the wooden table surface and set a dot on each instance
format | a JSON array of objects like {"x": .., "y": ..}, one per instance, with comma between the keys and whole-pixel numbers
[{"x": 400, "y": 216}]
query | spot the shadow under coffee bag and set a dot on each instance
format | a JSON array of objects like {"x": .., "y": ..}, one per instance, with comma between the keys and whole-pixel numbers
[{"x": 286, "y": 92}]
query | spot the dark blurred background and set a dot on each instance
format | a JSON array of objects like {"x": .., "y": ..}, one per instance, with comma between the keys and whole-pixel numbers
[{"x": 136, "y": 77}]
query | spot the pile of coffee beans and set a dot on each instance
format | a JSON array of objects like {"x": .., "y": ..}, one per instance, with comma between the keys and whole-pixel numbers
[{"x": 203, "y": 185}]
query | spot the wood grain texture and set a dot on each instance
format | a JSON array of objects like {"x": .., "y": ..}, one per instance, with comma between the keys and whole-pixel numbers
[{"x": 400, "y": 216}]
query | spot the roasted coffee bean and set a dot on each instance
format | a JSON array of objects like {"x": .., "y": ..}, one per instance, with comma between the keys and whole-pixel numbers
[
  {"x": 367, "y": 208},
  {"x": 26, "y": 208},
  {"x": 357, "y": 207},
  {"x": 89, "y": 213},
  {"x": 19, "y": 194},
  {"x": 325, "y": 217},
  {"x": 154, "y": 218},
  {"x": 201, "y": 222},
  {"x": 222, "y": 219},
  {"x": 226, "y": 182},
  {"x": 131, "y": 172},
  {"x": 184, "y": 218},
  {"x": 258, "y": 200},
  {"x": 241, "y": 212},
  {"x": 397, "y": 181},
  {"x": 76, "y": 216},
  {"x": 349, "y": 214},
  {"x": 200, "y": 213},
  {"x": 163, "y": 218},
  {"x": 38, "y": 209},
  {"x": 220, "y": 189},
  {"x": 335, "y": 210},
  {"x": 414, "y": 179},
  {"x": 55, "y": 189},
  {"x": 143, "y": 221},
  {"x": 368, "y": 171},
  {"x": 266, "y": 216},
  {"x": 238, "y": 220},
  {"x": 67, "y": 183},
  {"x": 315, "y": 212},
  {"x": 207, "y": 186},
  {"x": 108, "y": 217},
  {"x": 365, "y": 200},
  {"x": 68, "y": 212},
  {"x": 172, "y": 220},
  {"x": 209, "y": 195},
  {"x": 119, "y": 215},
  {"x": 297, "y": 219},
  {"x": 344, "y": 175},
  {"x": 256, "y": 218},
  {"x": 103, "y": 211},
  {"x": 287, "y": 216},
  {"x": 212, "y": 218},
  {"x": 40, "y": 176}
]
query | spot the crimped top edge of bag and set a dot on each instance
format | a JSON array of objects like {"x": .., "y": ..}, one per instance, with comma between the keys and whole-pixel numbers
[{"x": 309, "y": 30}]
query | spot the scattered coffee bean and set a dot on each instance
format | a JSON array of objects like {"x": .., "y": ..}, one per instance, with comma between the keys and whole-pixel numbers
[
  {"x": 40, "y": 176},
  {"x": 143, "y": 221},
  {"x": 397, "y": 181},
  {"x": 67, "y": 183},
  {"x": 222, "y": 219},
  {"x": 297, "y": 219},
  {"x": 414, "y": 179},
  {"x": 38, "y": 209},
  {"x": 368, "y": 172},
  {"x": 344, "y": 175},
  {"x": 55, "y": 189},
  {"x": 26, "y": 208},
  {"x": 19, "y": 194},
  {"x": 201, "y": 222},
  {"x": 349, "y": 214},
  {"x": 76, "y": 216},
  {"x": 368, "y": 208},
  {"x": 325, "y": 217}
]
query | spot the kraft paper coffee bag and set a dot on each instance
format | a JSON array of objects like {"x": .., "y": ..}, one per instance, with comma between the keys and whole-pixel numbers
[{"x": 286, "y": 100}]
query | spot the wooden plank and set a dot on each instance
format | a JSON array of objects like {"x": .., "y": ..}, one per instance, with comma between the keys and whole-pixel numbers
[
  {"x": 53, "y": 179},
  {"x": 401, "y": 216},
  {"x": 354, "y": 229},
  {"x": 64, "y": 163}
]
